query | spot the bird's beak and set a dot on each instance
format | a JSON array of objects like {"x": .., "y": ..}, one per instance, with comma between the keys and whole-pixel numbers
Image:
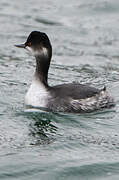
[{"x": 20, "y": 45}]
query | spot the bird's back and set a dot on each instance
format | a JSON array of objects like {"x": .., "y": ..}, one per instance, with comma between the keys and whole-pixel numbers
[
  {"x": 78, "y": 98},
  {"x": 74, "y": 90}
]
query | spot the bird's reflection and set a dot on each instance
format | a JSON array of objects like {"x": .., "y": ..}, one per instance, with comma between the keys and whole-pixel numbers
[{"x": 41, "y": 128}]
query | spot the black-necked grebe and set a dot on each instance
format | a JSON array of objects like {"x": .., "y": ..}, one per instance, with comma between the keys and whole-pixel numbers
[{"x": 73, "y": 97}]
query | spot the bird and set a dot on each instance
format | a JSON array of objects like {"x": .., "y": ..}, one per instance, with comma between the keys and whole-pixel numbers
[{"x": 69, "y": 97}]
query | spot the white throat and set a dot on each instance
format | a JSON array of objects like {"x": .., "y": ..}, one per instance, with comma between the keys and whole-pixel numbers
[
  {"x": 37, "y": 95},
  {"x": 40, "y": 52}
]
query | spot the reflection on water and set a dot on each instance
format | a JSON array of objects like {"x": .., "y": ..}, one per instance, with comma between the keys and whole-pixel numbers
[{"x": 41, "y": 128}]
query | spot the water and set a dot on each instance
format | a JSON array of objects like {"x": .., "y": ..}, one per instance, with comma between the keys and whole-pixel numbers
[{"x": 41, "y": 145}]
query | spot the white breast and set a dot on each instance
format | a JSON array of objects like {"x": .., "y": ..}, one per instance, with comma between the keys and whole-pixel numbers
[{"x": 37, "y": 95}]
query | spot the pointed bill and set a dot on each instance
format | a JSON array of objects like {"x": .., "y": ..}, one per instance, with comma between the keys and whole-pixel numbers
[{"x": 20, "y": 45}]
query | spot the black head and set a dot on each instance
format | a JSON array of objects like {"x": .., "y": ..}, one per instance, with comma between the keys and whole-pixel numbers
[
  {"x": 37, "y": 38},
  {"x": 37, "y": 41}
]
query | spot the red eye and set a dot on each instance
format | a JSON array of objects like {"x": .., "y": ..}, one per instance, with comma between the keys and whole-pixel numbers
[{"x": 29, "y": 44}]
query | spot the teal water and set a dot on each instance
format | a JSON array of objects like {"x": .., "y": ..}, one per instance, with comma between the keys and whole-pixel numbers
[{"x": 57, "y": 146}]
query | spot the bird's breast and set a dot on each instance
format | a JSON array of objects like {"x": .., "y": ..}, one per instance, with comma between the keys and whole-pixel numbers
[{"x": 37, "y": 95}]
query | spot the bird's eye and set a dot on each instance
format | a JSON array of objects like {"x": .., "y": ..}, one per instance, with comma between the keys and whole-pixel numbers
[{"x": 29, "y": 44}]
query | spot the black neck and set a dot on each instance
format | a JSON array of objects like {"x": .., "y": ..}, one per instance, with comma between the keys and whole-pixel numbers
[{"x": 42, "y": 67}]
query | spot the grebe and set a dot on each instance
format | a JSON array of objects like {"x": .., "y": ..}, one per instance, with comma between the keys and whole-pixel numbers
[{"x": 72, "y": 97}]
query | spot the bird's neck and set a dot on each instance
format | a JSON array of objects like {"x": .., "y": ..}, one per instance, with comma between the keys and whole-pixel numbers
[{"x": 42, "y": 67}]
